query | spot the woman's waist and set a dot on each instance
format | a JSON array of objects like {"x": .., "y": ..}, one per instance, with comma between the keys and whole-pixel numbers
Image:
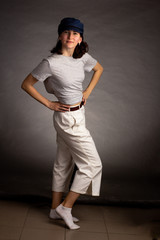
[
  {"x": 70, "y": 100},
  {"x": 74, "y": 105}
]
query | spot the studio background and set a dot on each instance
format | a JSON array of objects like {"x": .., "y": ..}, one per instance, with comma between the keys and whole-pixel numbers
[{"x": 122, "y": 114}]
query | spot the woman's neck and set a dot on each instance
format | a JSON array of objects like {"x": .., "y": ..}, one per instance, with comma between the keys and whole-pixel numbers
[{"x": 67, "y": 52}]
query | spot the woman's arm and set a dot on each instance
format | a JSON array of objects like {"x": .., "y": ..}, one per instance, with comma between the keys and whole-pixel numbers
[
  {"x": 27, "y": 86},
  {"x": 98, "y": 69}
]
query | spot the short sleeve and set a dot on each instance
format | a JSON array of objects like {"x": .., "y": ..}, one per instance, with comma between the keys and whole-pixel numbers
[
  {"x": 42, "y": 71},
  {"x": 89, "y": 62}
]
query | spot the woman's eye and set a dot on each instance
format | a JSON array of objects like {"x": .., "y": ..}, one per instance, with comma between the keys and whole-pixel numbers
[{"x": 66, "y": 31}]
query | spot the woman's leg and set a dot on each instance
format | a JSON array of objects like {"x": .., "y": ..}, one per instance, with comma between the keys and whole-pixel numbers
[
  {"x": 62, "y": 173},
  {"x": 62, "y": 170},
  {"x": 64, "y": 209},
  {"x": 71, "y": 127},
  {"x": 85, "y": 156},
  {"x": 70, "y": 199},
  {"x": 56, "y": 199}
]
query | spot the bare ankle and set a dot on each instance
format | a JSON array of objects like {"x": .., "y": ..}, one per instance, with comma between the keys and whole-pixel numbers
[{"x": 67, "y": 204}]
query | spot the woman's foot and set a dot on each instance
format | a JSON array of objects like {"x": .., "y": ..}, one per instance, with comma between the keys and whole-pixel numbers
[
  {"x": 54, "y": 215},
  {"x": 65, "y": 213}
]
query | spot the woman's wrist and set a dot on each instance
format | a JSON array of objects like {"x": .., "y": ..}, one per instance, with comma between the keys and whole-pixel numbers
[{"x": 48, "y": 103}]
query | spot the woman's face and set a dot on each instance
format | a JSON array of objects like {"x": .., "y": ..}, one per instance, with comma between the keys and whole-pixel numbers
[{"x": 70, "y": 39}]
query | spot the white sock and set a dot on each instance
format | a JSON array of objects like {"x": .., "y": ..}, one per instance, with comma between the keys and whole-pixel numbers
[
  {"x": 65, "y": 213},
  {"x": 56, "y": 216}
]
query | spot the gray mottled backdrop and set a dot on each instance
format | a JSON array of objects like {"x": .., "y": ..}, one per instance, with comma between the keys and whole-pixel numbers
[{"x": 123, "y": 112}]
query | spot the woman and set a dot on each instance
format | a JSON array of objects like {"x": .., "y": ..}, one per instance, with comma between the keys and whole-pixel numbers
[{"x": 63, "y": 75}]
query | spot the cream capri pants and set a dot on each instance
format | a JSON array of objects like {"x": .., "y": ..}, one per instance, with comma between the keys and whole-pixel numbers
[{"x": 75, "y": 146}]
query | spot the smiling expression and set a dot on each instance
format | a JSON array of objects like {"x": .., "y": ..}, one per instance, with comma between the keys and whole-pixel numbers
[{"x": 70, "y": 39}]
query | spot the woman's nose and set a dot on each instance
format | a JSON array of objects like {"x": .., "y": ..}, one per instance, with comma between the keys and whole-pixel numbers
[{"x": 69, "y": 35}]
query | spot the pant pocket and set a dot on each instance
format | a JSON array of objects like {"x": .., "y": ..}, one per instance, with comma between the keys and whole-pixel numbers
[{"x": 80, "y": 118}]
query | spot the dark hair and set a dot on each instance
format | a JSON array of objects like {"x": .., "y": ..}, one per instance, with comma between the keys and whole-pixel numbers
[{"x": 79, "y": 50}]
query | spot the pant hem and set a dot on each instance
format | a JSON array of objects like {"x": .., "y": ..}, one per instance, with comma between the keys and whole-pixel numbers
[{"x": 85, "y": 193}]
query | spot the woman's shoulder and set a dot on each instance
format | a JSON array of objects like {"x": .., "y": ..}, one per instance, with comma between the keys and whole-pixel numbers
[
  {"x": 86, "y": 57},
  {"x": 51, "y": 58}
]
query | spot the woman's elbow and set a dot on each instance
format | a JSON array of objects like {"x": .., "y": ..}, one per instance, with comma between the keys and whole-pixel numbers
[
  {"x": 101, "y": 68},
  {"x": 98, "y": 67},
  {"x": 28, "y": 82},
  {"x": 23, "y": 85}
]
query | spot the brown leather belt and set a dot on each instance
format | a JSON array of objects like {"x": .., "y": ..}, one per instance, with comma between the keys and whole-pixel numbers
[{"x": 76, "y": 107}]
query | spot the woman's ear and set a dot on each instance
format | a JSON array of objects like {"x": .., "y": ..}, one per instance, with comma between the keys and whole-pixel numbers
[{"x": 80, "y": 40}]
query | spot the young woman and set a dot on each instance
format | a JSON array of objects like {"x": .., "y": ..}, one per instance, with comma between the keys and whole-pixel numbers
[{"x": 63, "y": 73}]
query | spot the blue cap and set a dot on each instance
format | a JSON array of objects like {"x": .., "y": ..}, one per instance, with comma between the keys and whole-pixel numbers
[{"x": 70, "y": 24}]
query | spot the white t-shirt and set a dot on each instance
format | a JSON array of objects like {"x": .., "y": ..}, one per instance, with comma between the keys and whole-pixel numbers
[{"x": 63, "y": 76}]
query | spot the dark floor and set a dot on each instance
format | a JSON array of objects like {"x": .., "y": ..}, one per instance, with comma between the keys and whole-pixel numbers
[{"x": 26, "y": 220}]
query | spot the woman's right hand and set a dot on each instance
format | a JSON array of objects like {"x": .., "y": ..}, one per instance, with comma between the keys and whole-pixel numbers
[
  {"x": 28, "y": 86},
  {"x": 58, "y": 107}
]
